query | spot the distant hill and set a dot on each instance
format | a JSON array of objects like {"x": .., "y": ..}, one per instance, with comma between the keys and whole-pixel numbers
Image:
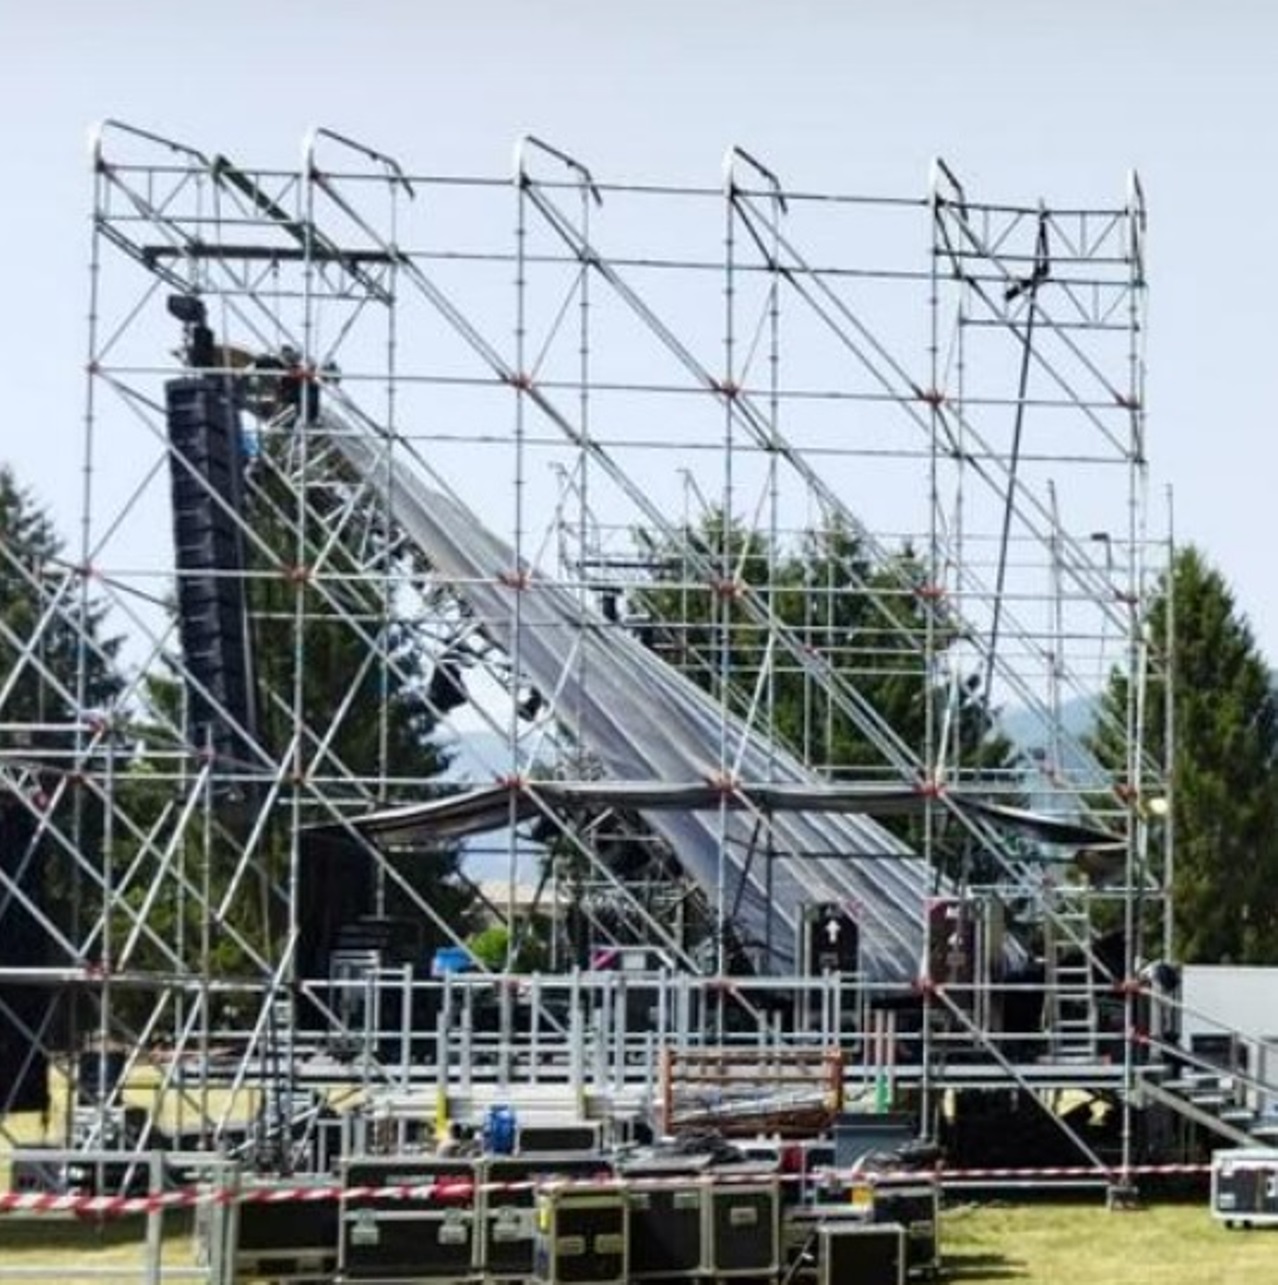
[
  {"x": 1029, "y": 731},
  {"x": 1027, "y": 728}
]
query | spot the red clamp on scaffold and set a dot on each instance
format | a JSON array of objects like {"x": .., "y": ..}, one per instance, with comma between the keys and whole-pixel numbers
[{"x": 724, "y": 782}]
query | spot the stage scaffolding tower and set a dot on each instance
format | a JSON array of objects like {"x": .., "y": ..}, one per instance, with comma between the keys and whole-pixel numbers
[{"x": 868, "y": 472}]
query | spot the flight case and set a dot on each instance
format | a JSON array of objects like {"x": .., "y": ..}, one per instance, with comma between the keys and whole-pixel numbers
[
  {"x": 1244, "y": 1186},
  {"x": 581, "y": 1236},
  {"x": 415, "y": 1237}
]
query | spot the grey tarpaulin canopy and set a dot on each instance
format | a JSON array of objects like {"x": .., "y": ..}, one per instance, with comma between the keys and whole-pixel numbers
[
  {"x": 650, "y": 726},
  {"x": 489, "y": 807}
]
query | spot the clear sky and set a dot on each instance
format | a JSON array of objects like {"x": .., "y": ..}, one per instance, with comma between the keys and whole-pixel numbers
[{"x": 1023, "y": 97}]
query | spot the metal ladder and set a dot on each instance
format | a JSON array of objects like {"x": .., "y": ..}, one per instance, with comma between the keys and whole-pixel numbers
[{"x": 1071, "y": 991}]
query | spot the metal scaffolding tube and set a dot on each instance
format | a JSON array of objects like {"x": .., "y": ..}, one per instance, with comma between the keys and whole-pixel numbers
[{"x": 974, "y": 463}]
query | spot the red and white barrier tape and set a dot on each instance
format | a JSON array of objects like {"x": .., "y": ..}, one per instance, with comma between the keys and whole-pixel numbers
[
  {"x": 1055, "y": 1171},
  {"x": 187, "y": 1197},
  {"x": 43, "y": 1202}
]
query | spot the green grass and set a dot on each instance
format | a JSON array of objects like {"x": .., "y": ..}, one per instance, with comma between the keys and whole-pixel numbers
[
  {"x": 1018, "y": 1244},
  {"x": 1090, "y": 1245},
  {"x": 83, "y": 1249}
]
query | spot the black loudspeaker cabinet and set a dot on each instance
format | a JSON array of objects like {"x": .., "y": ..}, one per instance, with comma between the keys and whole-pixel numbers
[
  {"x": 207, "y": 486},
  {"x": 24, "y": 1070},
  {"x": 1224, "y": 1050},
  {"x": 415, "y": 1237},
  {"x": 850, "y": 1253},
  {"x": 1244, "y": 1186},
  {"x": 509, "y": 1216},
  {"x": 283, "y": 1240},
  {"x": 914, "y": 1204},
  {"x": 581, "y": 1237},
  {"x": 667, "y": 1228},
  {"x": 743, "y": 1231}
]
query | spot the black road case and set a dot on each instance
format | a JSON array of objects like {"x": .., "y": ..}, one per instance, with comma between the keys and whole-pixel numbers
[
  {"x": 914, "y": 1203},
  {"x": 281, "y": 1239},
  {"x": 426, "y": 1237},
  {"x": 667, "y": 1215},
  {"x": 581, "y": 1236},
  {"x": 852, "y": 1253},
  {"x": 1244, "y": 1186},
  {"x": 667, "y": 1228},
  {"x": 558, "y": 1138},
  {"x": 509, "y": 1206},
  {"x": 743, "y": 1230}
]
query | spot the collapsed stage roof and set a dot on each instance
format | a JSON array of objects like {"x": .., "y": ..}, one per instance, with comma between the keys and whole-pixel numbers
[
  {"x": 486, "y": 808},
  {"x": 762, "y": 837}
]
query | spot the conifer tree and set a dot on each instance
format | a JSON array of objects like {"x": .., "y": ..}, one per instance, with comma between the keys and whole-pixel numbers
[{"x": 1224, "y": 769}]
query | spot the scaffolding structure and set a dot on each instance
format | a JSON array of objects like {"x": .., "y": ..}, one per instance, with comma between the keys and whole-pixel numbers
[{"x": 845, "y": 485}]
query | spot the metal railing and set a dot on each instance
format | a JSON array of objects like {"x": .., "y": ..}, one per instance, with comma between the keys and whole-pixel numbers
[{"x": 56, "y": 1228}]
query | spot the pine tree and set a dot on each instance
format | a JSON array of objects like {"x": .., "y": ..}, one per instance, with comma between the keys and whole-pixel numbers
[
  {"x": 57, "y": 677},
  {"x": 1224, "y": 770},
  {"x": 863, "y": 622},
  {"x": 44, "y": 647},
  {"x": 50, "y": 642}
]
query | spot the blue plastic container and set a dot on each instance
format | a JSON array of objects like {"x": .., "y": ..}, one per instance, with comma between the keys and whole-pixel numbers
[
  {"x": 451, "y": 959},
  {"x": 499, "y": 1130}
]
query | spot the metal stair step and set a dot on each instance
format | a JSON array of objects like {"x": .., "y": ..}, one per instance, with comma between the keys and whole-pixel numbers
[
  {"x": 1208, "y": 1099},
  {"x": 1243, "y": 1117},
  {"x": 1197, "y": 1081}
]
